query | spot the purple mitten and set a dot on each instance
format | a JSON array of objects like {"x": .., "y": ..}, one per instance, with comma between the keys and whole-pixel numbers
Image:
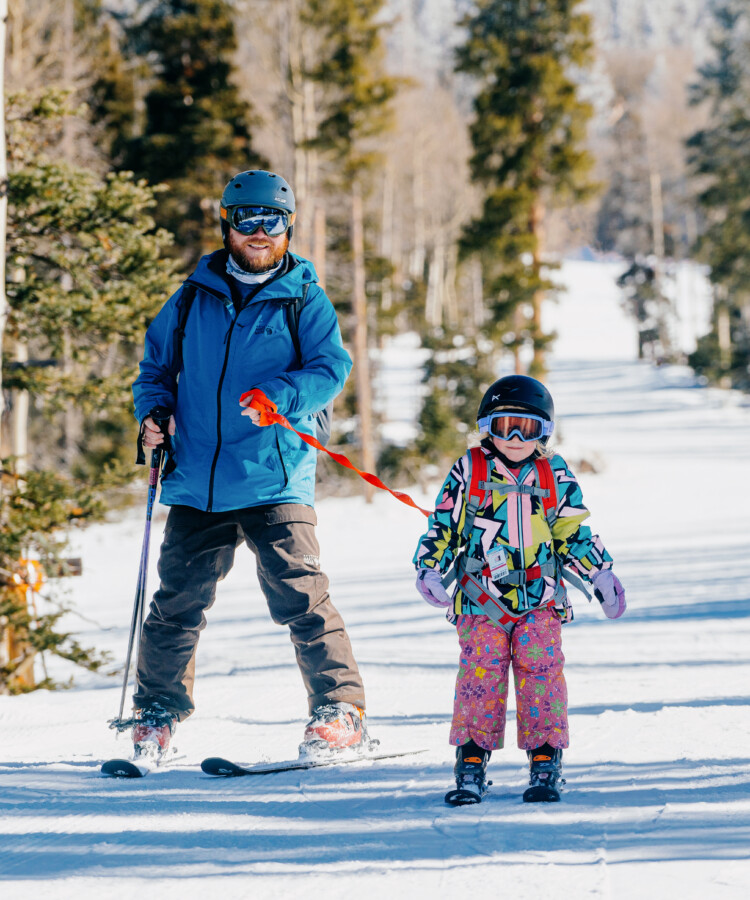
[
  {"x": 431, "y": 588},
  {"x": 610, "y": 593}
]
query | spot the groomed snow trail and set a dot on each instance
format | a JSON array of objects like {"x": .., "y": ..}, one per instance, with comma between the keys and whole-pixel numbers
[{"x": 658, "y": 796}]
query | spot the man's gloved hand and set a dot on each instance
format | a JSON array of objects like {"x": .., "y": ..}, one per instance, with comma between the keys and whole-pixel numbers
[
  {"x": 610, "y": 593},
  {"x": 431, "y": 588}
]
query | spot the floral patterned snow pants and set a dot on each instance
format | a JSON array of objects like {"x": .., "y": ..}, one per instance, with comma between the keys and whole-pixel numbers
[{"x": 487, "y": 651}]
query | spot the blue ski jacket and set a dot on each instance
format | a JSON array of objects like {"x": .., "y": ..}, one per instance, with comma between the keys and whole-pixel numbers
[{"x": 223, "y": 461}]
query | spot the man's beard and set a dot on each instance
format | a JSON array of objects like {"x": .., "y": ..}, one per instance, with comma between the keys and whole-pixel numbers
[{"x": 255, "y": 266}]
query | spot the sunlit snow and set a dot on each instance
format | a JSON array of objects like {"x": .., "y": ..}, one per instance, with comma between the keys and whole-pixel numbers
[{"x": 658, "y": 796}]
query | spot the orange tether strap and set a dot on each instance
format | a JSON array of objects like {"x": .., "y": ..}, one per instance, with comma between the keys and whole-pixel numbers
[{"x": 256, "y": 399}]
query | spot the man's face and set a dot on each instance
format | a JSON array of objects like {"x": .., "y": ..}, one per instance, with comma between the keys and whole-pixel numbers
[{"x": 257, "y": 252}]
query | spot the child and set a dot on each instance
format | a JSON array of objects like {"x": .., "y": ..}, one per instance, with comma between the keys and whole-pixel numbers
[{"x": 508, "y": 517}]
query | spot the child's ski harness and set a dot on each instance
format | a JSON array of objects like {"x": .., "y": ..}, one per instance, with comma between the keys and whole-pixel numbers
[{"x": 468, "y": 570}]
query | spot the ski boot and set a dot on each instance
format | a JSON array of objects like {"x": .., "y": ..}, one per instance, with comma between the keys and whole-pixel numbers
[
  {"x": 152, "y": 731},
  {"x": 470, "y": 771},
  {"x": 545, "y": 775},
  {"x": 333, "y": 728}
]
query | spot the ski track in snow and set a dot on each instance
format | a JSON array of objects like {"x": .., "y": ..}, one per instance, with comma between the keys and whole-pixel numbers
[{"x": 658, "y": 795}]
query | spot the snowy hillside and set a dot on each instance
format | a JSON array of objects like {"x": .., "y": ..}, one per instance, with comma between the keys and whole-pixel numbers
[{"x": 658, "y": 795}]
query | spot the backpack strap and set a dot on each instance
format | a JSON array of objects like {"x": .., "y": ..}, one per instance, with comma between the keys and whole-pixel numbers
[
  {"x": 548, "y": 486},
  {"x": 185, "y": 303},
  {"x": 324, "y": 417},
  {"x": 476, "y": 493},
  {"x": 548, "y": 483},
  {"x": 474, "y": 498},
  {"x": 292, "y": 318}
]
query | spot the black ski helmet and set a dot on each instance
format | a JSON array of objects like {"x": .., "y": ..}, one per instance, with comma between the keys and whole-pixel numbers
[
  {"x": 256, "y": 187},
  {"x": 518, "y": 392}
]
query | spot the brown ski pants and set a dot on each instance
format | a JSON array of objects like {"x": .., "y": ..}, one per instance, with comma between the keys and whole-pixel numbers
[{"x": 197, "y": 552}]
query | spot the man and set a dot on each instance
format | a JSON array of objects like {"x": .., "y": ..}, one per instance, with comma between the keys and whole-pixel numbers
[{"x": 228, "y": 480}]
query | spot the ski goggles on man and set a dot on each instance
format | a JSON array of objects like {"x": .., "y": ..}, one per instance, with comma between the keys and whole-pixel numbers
[
  {"x": 248, "y": 219},
  {"x": 505, "y": 425}
]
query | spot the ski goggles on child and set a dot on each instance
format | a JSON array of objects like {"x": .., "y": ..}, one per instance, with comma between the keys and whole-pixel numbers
[
  {"x": 248, "y": 219},
  {"x": 525, "y": 426}
]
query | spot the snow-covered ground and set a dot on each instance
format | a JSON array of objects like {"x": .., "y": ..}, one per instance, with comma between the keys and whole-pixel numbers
[{"x": 658, "y": 795}]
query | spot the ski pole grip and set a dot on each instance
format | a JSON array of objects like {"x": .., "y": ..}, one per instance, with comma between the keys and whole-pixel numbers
[{"x": 161, "y": 416}]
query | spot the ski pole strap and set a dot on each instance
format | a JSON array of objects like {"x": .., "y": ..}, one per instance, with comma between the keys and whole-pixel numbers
[{"x": 256, "y": 399}]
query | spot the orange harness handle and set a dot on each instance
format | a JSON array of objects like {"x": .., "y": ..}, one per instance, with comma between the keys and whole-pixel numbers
[{"x": 256, "y": 399}]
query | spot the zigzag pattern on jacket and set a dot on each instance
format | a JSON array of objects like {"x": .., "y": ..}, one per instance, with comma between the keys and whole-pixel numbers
[{"x": 517, "y": 523}]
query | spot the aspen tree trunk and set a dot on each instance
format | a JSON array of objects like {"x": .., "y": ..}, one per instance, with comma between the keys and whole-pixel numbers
[
  {"x": 657, "y": 214},
  {"x": 386, "y": 233},
  {"x": 11, "y": 649},
  {"x": 433, "y": 311},
  {"x": 319, "y": 244},
  {"x": 538, "y": 363},
  {"x": 72, "y": 418},
  {"x": 3, "y": 193},
  {"x": 452, "y": 308},
  {"x": 518, "y": 325},
  {"x": 477, "y": 294},
  {"x": 724, "y": 335},
  {"x": 361, "y": 357},
  {"x": 296, "y": 91},
  {"x": 21, "y": 418},
  {"x": 416, "y": 266}
]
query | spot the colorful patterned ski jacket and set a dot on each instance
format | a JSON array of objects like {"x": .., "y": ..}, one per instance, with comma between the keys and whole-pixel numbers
[
  {"x": 517, "y": 523},
  {"x": 223, "y": 461}
]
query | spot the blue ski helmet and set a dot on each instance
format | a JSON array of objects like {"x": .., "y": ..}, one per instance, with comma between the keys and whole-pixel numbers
[{"x": 256, "y": 187}]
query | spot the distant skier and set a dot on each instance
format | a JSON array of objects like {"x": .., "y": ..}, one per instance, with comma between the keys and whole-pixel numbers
[
  {"x": 226, "y": 330},
  {"x": 509, "y": 516}
]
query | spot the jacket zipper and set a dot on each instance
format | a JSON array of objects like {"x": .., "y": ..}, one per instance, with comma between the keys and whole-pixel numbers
[
  {"x": 519, "y": 501},
  {"x": 218, "y": 418}
]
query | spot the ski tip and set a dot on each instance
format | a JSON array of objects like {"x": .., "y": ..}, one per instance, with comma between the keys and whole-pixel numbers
[
  {"x": 215, "y": 765},
  {"x": 460, "y": 797},
  {"x": 122, "y": 768},
  {"x": 541, "y": 794}
]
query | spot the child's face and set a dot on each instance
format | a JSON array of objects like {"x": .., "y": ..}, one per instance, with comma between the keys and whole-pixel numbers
[{"x": 515, "y": 449}]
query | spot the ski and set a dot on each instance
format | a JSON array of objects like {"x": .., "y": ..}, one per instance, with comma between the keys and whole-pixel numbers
[
  {"x": 225, "y": 768},
  {"x": 138, "y": 768},
  {"x": 124, "y": 768}
]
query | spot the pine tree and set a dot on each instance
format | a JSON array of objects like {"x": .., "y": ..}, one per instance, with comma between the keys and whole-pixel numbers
[
  {"x": 719, "y": 156},
  {"x": 528, "y": 133},
  {"x": 354, "y": 108},
  {"x": 111, "y": 93},
  {"x": 87, "y": 274},
  {"x": 195, "y": 133}
]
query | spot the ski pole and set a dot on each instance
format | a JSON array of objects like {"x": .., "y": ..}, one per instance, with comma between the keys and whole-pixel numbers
[{"x": 161, "y": 417}]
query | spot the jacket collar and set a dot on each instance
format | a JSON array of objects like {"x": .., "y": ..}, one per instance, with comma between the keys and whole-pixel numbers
[{"x": 210, "y": 273}]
